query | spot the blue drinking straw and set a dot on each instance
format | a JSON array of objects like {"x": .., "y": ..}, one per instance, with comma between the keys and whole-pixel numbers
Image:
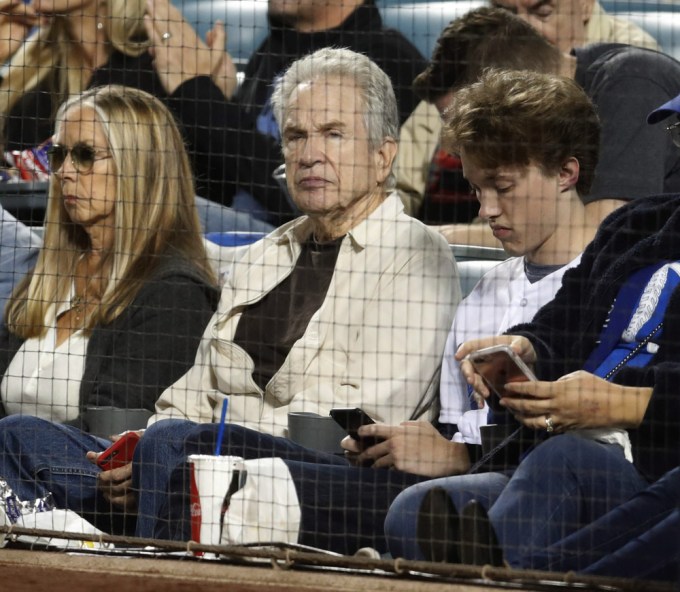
[{"x": 220, "y": 433}]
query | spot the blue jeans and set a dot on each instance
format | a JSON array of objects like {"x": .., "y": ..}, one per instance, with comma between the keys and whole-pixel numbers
[
  {"x": 562, "y": 485},
  {"x": 343, "y": 507},
  {"x": 638, "y": 539},
  {"x": 38, "y": 457},
  {"x": 402, "y": 518},
  {"x": 163, "y": 452}
]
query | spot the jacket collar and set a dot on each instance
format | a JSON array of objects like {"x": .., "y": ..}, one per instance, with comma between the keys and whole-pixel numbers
[{"x": 364, "y": 233}]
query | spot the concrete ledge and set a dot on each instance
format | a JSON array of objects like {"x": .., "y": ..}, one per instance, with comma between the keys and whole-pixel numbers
[{"x": 28, "y": 571}]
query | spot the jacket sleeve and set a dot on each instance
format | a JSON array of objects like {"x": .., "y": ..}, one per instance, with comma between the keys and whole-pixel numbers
[
  {"x": 130, "y": 362},
  {"x": 655, "y": 440}
]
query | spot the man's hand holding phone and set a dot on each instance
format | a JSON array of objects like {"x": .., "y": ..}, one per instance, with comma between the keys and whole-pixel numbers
[{"x": 354, "y": 420}]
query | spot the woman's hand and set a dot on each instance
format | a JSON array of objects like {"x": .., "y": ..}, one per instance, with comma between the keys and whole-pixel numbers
[
  {"x": 224, "y": 71},
  {"x": 16, "y": 21},
  {"x": 115, "y": 484},
  {"x": 180, "y": 55},
  {"x": 413, "y": 447},
  {"x": 577, "y": 400},
  {"x": 520, "y": 345}
]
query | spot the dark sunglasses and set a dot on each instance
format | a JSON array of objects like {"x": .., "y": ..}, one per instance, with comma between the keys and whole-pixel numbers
[
  {"x": 674, "y": 131},
  {"x": 83, "y": 156}
]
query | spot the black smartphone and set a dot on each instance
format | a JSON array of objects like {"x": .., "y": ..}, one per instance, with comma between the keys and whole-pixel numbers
[
  {"x": 350, "y": 419},
  {"x": 499, "y": 365}
]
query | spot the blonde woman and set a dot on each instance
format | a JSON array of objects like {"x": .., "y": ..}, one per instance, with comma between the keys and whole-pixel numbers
[
  {"x": 70, "y": 45},
  {"x": 122, "y": 290}
]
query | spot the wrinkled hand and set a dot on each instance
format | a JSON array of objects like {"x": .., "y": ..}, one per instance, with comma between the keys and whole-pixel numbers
[
  {"x": 16, "y": 21},
  {"x": 413, "y": 447},
  {"x": 180, "y": 55},
  {"x": 520, "y": 345},
  {"x": 577, "y": 400}
]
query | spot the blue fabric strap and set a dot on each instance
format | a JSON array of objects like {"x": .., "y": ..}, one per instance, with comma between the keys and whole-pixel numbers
[{"x": 620, "y": 315}]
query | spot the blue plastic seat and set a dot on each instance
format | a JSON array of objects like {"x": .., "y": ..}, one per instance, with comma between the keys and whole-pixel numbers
[{"x": 234, "y": 238}]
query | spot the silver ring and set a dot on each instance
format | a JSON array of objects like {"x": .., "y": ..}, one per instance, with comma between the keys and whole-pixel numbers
[
  {"x": 549, "y": 425},
  {"x": 165, "y": 36}
]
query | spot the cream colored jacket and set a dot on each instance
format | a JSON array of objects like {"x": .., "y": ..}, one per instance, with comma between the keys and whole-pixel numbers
[
  {"x": 375, "y": 343},
  {"x": 606, "y": 28}
]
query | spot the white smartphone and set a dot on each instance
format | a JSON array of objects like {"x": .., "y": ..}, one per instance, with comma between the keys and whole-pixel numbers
[{"x": 498, "y": 365}]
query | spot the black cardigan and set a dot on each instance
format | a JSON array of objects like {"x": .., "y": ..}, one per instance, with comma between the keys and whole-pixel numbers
[{"x": 131, "y": 361}]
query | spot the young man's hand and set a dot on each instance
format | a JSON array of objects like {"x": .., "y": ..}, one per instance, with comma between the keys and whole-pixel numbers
[{"x": 413, "y": 447}]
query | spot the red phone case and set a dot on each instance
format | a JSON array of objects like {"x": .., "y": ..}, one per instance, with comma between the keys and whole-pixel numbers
[{"x": 119, "y": 453}]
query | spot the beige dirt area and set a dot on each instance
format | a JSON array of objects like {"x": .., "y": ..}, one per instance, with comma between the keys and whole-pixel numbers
[{"x": 24, "y": 570}]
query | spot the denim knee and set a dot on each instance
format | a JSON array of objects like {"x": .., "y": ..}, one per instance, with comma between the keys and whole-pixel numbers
[
  {"x": 158, "y": 437},
  {"x": 15, "y": 425},
  {"x": 567, "y": 456},
  {"x": 401, "y": 522}
]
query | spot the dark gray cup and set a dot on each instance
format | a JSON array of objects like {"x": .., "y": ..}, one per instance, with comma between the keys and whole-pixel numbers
[
  {"x": 315, "y": 432},
  {"x": 108, "y": 421}
]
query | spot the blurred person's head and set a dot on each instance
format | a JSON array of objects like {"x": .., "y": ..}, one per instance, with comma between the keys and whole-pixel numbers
[
  {"x": 562, "y": 22},
  {"x": 311, "y": 15},
  {"x": 339, "y": 127},
  {"x": 529, "y": 146},
  {"x": 482, "y": 38},
  {"x": 119, "y": 162}
]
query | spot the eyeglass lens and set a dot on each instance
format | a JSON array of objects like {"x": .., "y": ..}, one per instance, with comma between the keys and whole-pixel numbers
[
  {"x": 674, "y": 131},
  {"x": 82, "y": 156}
]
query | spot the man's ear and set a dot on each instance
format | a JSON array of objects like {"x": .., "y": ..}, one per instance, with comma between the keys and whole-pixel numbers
[
  {"x": 569, "y": 174},
  {"x": 384, "y": 158}
]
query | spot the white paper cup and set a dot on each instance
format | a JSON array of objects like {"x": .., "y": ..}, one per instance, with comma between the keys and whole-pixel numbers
[{"x": 211, "y": 478}]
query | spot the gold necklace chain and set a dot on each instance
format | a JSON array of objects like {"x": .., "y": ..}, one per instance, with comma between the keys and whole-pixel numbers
[{"x": 78, "y": 306}]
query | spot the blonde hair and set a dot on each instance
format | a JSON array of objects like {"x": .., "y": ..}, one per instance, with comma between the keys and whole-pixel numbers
[
  {"x": 51, "y": 54},
  {"x": 154, "y": 213}
]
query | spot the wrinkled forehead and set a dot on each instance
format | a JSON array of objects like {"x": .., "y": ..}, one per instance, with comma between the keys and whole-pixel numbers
[
  {"x": 79, "y": 124},
  {"x": 328, "y": 98}
]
